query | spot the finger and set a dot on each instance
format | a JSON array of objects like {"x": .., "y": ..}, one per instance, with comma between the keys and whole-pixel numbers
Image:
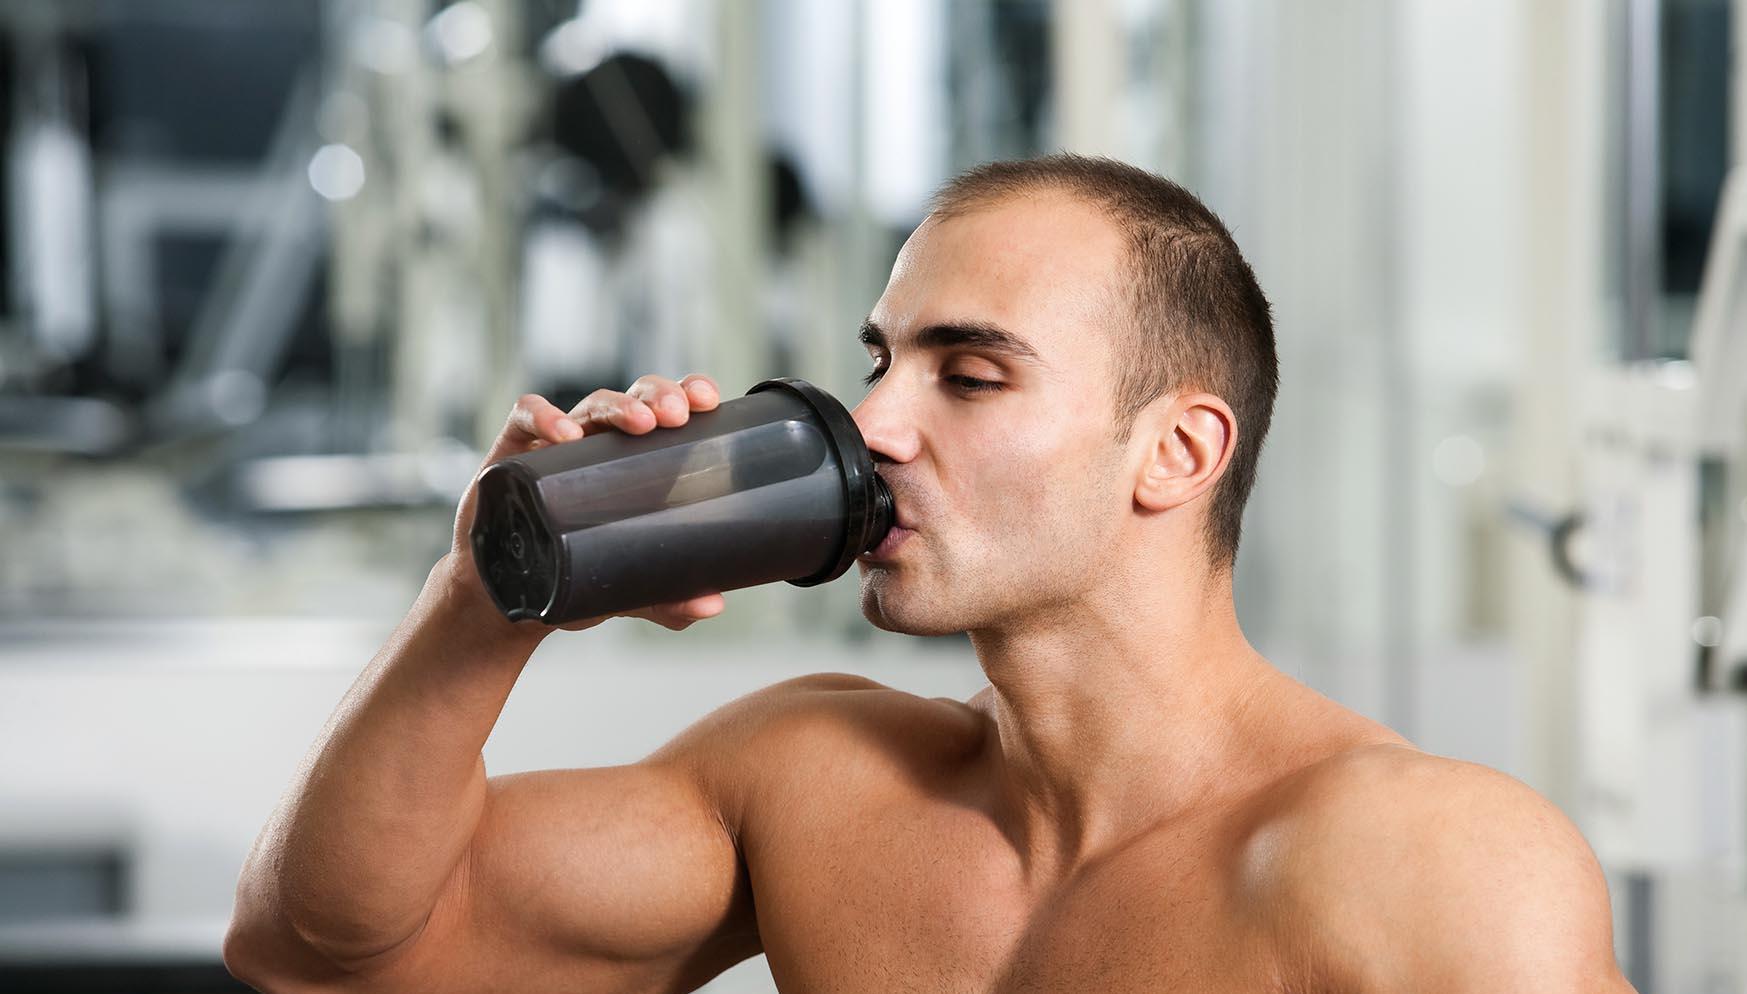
[
  {"x": 701, "y": 390},
  {"x": 702, "y": 606},
  {"x": 664, "y": 616},
  {"x": 610, "y": 408},
  {"x": 533, "y": 422},
  {"x": 666, "y": 398},
  {"x": 581, "y": 626},
  {"x": 680, "y": 615},
  {"x": 536, "y": 418}
]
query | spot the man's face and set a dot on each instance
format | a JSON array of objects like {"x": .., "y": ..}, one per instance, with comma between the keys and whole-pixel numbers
[{"x": 1017, "y": 493}]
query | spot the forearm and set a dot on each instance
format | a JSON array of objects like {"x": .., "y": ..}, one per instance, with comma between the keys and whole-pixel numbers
[{"x": 385, "y": 806}]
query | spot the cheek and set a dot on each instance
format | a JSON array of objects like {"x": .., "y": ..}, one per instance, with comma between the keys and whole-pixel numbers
[{"x": 1029, "y": 490}]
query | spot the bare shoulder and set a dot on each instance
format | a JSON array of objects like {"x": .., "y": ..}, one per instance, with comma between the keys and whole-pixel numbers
[
  {"x": 1390, "y": 868},
  {"x": 1398, "y": 792},
  {"x": 819, "y": 729}
]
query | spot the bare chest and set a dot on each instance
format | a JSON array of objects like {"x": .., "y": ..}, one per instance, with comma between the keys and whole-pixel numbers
[{"x": 935, "y": 902}]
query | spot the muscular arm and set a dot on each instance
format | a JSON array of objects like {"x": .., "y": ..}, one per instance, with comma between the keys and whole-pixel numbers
[
  {"x": 371, "y": 832},
  {"x": 627, "y": 878},
  {"x": 1402, "y": 871},
  {"x": 393, "y": 863}
]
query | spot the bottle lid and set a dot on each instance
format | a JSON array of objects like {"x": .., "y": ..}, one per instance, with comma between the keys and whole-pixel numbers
[{"x": 867, "y": 498}]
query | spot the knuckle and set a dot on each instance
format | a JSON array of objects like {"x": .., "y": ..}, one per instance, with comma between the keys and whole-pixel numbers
[
  {"x": 706, "y": 393},
  {"x": 606, "y": 405}
]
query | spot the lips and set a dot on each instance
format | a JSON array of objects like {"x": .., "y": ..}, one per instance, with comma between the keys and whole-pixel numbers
[
  {"x": 902, "y": 527},
  {"x": 889, "y": 545}
]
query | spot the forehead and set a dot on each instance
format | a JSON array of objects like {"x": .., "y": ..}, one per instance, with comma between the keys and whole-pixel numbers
[{"x": 1047, "y": 267}]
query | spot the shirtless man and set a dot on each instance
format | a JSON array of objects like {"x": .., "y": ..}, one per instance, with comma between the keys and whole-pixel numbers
[{"x": 1073, "y": 371}]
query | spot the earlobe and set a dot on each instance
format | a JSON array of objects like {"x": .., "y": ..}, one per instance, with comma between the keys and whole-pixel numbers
[{"x": 1191, "y": 446}]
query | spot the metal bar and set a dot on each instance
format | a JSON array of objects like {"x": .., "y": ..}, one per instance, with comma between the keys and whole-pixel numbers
[{"x": 1641, "y": 237}]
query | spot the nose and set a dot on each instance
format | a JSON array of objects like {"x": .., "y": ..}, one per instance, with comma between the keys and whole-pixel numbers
[{"x": 887, "y": 427}]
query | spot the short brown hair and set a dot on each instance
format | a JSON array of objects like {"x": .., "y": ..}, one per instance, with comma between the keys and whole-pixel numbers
[{"x": 1201, "y": 320}]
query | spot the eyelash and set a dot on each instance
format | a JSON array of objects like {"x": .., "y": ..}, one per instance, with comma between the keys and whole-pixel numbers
[{"x": 969, "y": 384}]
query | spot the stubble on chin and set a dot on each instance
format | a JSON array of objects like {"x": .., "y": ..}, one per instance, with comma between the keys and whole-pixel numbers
[
  {"x": 881, "y": 603},
  {"x": 874, "y": 581},
  {"x": 894, "y": 604}
]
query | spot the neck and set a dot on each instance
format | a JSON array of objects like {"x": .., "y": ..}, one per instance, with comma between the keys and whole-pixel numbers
[{"x": 1116, "y": 713}]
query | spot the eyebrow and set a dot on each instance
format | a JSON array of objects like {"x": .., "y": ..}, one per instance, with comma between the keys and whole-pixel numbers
[{"x": 977, "y": 335}]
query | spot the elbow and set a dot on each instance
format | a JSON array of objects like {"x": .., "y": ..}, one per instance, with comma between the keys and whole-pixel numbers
[
  {"x": 246, "y": 957},
  {"x": 246, "y": 938},
  {"x": 268, "y": 950},
  {"x": 240, "y": 958},
  {"x": 281, "y": 942},
  {"x": 264, "y": 949},
  {"x": 274, "y": 959},
  {"x": 255, "y": 948}
]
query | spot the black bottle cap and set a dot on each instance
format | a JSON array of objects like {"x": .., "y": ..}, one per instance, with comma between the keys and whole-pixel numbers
[{"x": 867, "y": 499}]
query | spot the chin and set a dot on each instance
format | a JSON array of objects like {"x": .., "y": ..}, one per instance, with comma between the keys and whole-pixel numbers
[{"x": 889, "y": 607}]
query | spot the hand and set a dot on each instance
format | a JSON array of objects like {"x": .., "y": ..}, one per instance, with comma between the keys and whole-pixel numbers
[{"x": 651, "y": 402}]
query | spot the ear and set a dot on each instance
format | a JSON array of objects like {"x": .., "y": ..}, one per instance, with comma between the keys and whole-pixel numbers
[{"x": 1192, "y": 439}]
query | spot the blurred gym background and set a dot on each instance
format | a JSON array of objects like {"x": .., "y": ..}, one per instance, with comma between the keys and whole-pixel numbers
[{"x": 275, "y": 270}]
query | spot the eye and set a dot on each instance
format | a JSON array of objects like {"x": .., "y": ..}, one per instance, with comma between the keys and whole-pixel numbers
[
  {"x": 971, "y": 384},
  {"x": 968, "y": 384}
]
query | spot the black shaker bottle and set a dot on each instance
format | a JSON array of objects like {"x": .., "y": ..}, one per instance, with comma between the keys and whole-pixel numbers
[{"x": 775, "y": 485}]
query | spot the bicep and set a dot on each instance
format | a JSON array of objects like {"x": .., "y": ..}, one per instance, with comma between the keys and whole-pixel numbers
[
  {"x": 624, "y": 878},
  {"x": 613, "y": 879}
]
